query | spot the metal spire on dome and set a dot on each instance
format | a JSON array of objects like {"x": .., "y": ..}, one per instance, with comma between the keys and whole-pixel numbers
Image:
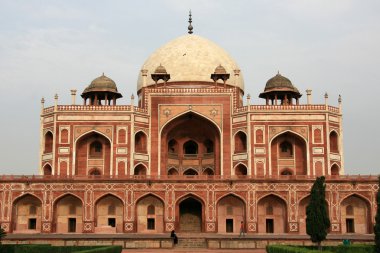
[{"x": 190, "y": 27}]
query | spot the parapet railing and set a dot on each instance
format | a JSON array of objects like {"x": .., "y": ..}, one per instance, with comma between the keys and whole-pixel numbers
[
  {"x": 94, "y": 108},
  {"x": 288, "y": 108},
  {"x": 29, "y": 178},
  {"x": 238, "y": 110}
]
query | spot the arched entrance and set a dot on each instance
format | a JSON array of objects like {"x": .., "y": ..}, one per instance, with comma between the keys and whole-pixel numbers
[
  {"x": 26, "y": 214},
  {"x": 190, "y": 141},
  {"x": 93, "y": 152},
  {"x": 271, "y": 215},
  {"x": 289, "y": 152},
  {"x": 190, "y": 215},
  {"x": 150, "y": 215},
  {"x": 231, "y": 212},
  {"x": 68, "y": 212},
  {"x": 355, "y": 214},
  {"x": 109, "y": 215}
]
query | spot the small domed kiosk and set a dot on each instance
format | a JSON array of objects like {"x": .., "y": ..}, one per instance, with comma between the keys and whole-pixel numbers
[
  {"x": 280, "y": 89},
  {"x": 101, "y": 91}
]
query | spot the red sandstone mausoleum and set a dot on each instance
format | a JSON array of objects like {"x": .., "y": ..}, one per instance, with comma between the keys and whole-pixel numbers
[{"x": 189, "y": 153}]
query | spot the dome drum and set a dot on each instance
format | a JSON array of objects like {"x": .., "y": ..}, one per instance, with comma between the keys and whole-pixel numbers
[{"x": 190, "y": 60}]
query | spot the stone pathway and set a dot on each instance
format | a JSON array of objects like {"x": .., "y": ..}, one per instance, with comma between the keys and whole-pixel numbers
[{"x": 177, "y": 250}]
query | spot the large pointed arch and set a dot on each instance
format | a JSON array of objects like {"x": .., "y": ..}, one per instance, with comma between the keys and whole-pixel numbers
[
  {"x": 306, "y": 142},
  {"x": 108, "y": 154},
  {"x": 190, "y": 210},
  {"x": 186, "y": 127}
]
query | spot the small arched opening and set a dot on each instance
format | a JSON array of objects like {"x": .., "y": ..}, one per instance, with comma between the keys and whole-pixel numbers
[
  {"x": 48, "y": 147},
  {"x": 334, "y": 148},
  {"x": 141, "y": 143},
  {"x": 240, "y": 170},
  {"x": 240, "y": 142},
  {"x": 140, "y": 170}
]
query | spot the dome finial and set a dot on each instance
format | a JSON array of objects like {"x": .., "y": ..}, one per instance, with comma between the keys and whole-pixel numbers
[{"x": 190, "y": 27}]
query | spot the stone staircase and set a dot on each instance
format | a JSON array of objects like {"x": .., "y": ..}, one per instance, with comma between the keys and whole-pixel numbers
[{"x": 199, "y": 243}]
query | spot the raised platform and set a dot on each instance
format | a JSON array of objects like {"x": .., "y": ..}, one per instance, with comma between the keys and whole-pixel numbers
[{"x": 163, "y": 241}]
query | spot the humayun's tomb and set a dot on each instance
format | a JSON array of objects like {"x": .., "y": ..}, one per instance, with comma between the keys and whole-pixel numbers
[{"x": 189, "y": 153}]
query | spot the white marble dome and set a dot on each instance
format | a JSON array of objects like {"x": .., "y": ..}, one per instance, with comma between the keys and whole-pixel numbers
[{"x": 190, "y": 58}]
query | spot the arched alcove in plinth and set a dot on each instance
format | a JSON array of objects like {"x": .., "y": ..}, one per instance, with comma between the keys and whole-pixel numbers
[
  {"x": 26, "y": 214},
  {"x": 230, "y": 213},
  {"x": 355, "y": 213},
  {"x": 190, "y": 213},
  {"x": 150, "y": 215},
  {"x": 272, "y": 215},
  {"x": 109, "y": 215},
  {"x": 68, "y": 215}
]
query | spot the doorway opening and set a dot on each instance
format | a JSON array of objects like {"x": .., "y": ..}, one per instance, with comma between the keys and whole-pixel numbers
[{"x": 190, "y": 213}]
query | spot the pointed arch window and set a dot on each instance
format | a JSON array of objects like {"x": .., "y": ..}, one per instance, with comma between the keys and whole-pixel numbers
[
  {"x": 96, "y": 149},
  {"x": 190, "y": 148},
  {"x": 286, "y": 149}
]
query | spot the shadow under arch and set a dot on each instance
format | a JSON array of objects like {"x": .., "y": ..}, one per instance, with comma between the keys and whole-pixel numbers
[
  {"x": 190, "y": 127},
  {"x": 190, "y": 210}
]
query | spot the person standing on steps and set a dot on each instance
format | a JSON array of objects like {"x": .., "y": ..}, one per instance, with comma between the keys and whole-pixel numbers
[
  {"x": 242, "y": 230},
  {"x": 174, "y": 236}
]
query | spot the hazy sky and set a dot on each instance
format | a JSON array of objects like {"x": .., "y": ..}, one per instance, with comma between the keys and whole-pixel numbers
[{"x": 49, "y": 47}]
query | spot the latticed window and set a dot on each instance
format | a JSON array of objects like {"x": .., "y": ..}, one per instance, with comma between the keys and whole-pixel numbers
[{"x": 286, "y": 149}]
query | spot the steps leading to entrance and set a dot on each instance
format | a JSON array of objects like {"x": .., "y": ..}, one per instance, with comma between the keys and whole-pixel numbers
[{"x": 192, "y": 243}]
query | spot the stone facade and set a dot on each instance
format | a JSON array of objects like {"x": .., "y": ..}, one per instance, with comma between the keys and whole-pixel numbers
[{"x": 191, "y": 156}]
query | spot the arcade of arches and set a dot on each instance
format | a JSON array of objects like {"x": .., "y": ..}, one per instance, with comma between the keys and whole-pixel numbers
[{"x": 151, "y": 214}]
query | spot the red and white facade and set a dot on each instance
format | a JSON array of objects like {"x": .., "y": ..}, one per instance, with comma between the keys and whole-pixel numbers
[{"x": 192, "y": 155}]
